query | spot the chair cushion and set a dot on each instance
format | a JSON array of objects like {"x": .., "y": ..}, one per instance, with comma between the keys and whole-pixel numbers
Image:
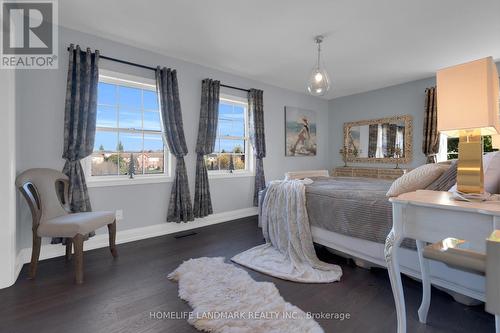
[{"x": 72, "y": 224}]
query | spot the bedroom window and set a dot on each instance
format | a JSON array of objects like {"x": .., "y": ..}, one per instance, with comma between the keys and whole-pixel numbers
[
  {"x": 231, "y": 155},
  {"x": 450, "y": 146},
  {"x": 127, "y": 127}
]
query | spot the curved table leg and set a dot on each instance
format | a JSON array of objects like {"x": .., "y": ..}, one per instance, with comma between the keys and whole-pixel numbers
[
  {"x": 426, "y": 283},
  {"x": 391, "y": 257}
]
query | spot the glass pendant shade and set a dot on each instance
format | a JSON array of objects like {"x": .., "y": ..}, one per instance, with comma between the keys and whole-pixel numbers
[{"x": 318, "y": 83}]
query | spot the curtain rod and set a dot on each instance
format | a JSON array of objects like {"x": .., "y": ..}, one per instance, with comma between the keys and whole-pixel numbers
[{"x": 154, "y": 69}]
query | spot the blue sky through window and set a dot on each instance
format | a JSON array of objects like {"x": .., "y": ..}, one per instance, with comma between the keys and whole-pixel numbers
[
  {"x": 231, "y": 124},
  {"x": 122, "y": 107}
]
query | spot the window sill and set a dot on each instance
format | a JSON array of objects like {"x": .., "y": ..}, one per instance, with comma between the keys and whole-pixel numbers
[
  {"x": 121, "y": 181},
  {"x": 218, "y": 175}
]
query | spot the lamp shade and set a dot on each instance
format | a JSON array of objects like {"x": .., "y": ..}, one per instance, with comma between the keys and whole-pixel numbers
[{"x": 467, "y": 98}]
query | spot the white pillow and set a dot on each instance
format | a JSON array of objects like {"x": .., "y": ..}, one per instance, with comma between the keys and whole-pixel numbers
[
  {"x": 491, "y": 167},
  {"x": 417, "y": 179}
]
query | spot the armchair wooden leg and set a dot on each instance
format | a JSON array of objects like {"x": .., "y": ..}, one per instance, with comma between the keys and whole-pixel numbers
[
  {"x": 69, "y": 248},
  {"x": 78, "y": 245},
  {"x": 35, "y": 254},
  {"x": 112, "y": 239}
]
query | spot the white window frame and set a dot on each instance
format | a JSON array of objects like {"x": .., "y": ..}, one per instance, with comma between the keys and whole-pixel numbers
[
  {"x": 249, "y": 170},
  {"x": 118, "y": 180}
]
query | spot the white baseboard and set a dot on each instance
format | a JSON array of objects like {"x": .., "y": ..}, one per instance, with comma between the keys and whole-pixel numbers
[{"x": 130, "y": 235}]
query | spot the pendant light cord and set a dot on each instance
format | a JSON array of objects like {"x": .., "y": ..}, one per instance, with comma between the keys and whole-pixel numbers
[
  {"x": 319, "y": 39},
  {"x": 319, "y": 53}
]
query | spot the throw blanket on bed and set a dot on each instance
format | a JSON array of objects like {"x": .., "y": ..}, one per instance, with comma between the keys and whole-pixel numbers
[{"x": 289, "y": 252}]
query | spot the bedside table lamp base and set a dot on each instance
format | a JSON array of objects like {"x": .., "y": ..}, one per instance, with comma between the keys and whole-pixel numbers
[{"x": 470, "y": 175}]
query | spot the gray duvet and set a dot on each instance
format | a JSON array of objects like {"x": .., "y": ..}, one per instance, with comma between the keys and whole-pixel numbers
[{"x": 351, "y": 206}]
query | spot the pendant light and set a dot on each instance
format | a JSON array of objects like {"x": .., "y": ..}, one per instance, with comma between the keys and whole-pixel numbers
[{"x": 318, "y": 83}]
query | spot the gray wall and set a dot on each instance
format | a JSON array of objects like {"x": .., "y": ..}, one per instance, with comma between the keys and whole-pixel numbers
[
  {"x": 407, "y": 98},
  {"x": 40, "y": 115}
]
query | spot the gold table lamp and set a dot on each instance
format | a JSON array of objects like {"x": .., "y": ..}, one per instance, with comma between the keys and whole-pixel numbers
[{"x": 467, "y": 107}]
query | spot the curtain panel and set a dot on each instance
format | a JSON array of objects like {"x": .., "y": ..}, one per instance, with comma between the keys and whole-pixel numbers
[
  {"x": 372, "y": 140},
  {"x": 79, "y": 123},
  {"x": 257, "y": 138},
  {"x": 207, "y": 132},
  {"x": 179, "y": 207},
  {"x": 391, "y": 139},
  {"x": 430, "y": 144}
]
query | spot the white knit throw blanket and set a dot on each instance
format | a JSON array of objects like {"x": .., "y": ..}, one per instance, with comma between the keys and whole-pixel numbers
[{"x": 289, "y": 252}]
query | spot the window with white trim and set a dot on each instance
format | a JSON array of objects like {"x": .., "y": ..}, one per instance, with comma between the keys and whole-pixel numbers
[
  {"x": 128, "y": 127},
  {"x": 231, "y": 154}
]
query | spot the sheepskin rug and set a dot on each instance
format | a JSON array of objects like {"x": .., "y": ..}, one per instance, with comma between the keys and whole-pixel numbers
[{"x": 225, "y": 299}]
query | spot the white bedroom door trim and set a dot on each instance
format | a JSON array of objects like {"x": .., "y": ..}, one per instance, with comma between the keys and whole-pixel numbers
[{"x": 7, "y": 180}]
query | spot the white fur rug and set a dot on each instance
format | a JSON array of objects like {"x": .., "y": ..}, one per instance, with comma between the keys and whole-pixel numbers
[{"x": 225, "y": 299}]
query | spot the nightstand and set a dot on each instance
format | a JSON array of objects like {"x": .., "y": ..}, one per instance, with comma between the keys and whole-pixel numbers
[{"x": 428, "y": 217}]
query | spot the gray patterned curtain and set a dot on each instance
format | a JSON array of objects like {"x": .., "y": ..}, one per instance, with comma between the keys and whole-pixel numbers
[
  {"x": 207, "y": 131},
  {"x": 79, "y": 123},
  {"x": 430, "y": 144},
  {"x": 372, "y": 140},
  {"x": 257, "y": 138},
  {"x": 391, "y": 139},
  {"x": 179, "y": 207},
  {"x": 385, "y": 133}
]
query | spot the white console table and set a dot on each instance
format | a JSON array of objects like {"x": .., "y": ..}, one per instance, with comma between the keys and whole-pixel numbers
[{"x": 431, "y": 216}]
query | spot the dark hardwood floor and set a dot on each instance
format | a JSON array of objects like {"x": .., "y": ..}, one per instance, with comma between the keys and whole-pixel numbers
[{"x": 119, "y": 295}]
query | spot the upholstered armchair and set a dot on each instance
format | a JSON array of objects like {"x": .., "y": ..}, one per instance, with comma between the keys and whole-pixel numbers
[{"x": 46, "y": 192}]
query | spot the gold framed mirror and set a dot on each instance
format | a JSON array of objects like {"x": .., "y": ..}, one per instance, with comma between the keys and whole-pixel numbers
[{"x": 383, "y": 140}]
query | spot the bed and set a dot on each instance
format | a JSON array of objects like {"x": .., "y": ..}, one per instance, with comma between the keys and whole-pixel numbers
[{"x": 353, "y": 216}]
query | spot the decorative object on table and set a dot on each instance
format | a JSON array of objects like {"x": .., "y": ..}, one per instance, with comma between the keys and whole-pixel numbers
[
  {"x": 467, "y": 100},
  {"x": 300, "y": 132},
  {"x": 396, "y": 153},
  {"x": 319, "y": 82},
  {"x": 211, "y": 286},
  {"x": 131, "y": 167},
  {"x": 378, "y": 140},
  {"x": 344, "y": 152}
]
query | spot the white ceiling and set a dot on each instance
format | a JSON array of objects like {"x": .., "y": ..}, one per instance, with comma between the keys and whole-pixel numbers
[{"x": 369, "y": 44}]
